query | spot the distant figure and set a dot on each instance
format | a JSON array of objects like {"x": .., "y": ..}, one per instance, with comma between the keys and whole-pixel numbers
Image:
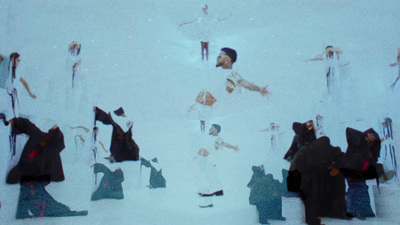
[
  {"x": 41, "y": 153},
  {"x": 123, "y": 147},
  {"x": 204, "y": 23},
  {"x": 388, "y": 155},
  {"x": 331, "y": 55},
  {"x": 82, "y": 139},
  {"x": 266, "y": 193},
  {"x": 74, "y": 59},
  {"x": 319, "y": 130},
  {"x": 74, "y": 48},
  {"x": 110, "y": 186},
  {"x": 274, "y": 130},
  {"x": 157, "y": 179},
  {"x": 397, "y": 63},
  {"x": 35, "y": 202}
]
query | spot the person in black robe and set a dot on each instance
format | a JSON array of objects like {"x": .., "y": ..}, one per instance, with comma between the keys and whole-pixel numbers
[
  {"x": 123, "y": 147},
  {"x": 361, "y": 164},
  {"x": 266, "y": 193},
  {"x": 34, "y": 201},
  {"x": 110, "y": 186},
  {"x": 157, "y": 179},
  {"x": 302, "y": 137},
  {"x": 41, "y": 153},
  {"x": 320, "y": 183}
]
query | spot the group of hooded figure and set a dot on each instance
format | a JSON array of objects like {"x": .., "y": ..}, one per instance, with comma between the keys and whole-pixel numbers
[
  {"x": 318, "y": 171},
  {"x": 40, "y": 164}
]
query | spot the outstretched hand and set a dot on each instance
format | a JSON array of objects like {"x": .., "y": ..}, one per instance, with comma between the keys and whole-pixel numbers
[{"x": 264, "y": 91}]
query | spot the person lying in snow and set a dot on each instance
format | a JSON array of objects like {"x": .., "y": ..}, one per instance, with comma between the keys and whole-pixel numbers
[
  {"x": 34, "y": 201},
  {"x": 110, "y": 186},
  {"x": 156, "y": 180}
]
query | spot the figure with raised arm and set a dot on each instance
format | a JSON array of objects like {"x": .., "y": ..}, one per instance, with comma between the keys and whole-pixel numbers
[
  {"x": 204, "y": 23},
  {"x": 397, "y": 63},
  {"x": 332, "y": 58}
]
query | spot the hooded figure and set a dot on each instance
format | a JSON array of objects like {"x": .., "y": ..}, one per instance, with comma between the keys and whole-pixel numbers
[
  {"x": 320, "y": 183},
  {"x": 123, "y": 147},
  {"x": 361, "y": 164},
  {"x": 34, "y": 201},
  {"x": 266, "y": 193},
  {"x": 304, "y": 135},
  {"x": 157, "y": 180},
  {"x": 362, "y": 154},
  {"x": 110, "y": 186},
  {"x": 41, "y": 153}
]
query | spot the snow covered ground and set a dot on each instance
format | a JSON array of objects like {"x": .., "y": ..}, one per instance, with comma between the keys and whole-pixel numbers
[{"x": 136, "y": 56}]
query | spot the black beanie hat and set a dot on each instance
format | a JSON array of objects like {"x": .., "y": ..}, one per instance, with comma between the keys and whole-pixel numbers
[{"x": 231, "y": 53}]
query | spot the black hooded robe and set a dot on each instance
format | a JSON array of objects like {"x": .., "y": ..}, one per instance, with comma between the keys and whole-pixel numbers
[
  {"x": 41, "y": 153},
  {"x": 322, "y": 186},
  {"x": 110, "y": 186},
  {"x": 123, "y": 147},
  {"x": 266, "y": 193},
  {"x": 35, "y": 201},
  {"x": 157, "y": 179},
  {"x": 361, "y": 165}
]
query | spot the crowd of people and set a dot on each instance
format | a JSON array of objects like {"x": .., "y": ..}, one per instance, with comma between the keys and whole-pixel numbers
[{"x": 318, "y": 171}]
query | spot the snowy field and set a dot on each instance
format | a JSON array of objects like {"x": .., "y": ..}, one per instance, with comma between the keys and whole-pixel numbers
[{"x": 135, "y": 55}]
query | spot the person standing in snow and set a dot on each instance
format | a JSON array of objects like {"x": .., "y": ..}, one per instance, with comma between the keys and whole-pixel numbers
[
  {"x": 397, "y": 63},
  {"x": 206, "y": 99},
  {"x": 331, "y": 55},
  {"x": 123, "y": 147},
  {"x": 11, "y": 84},
  {"x": 204, "y": 22},
  {"x": 211, "y": 185},
  {"x": 388, "y": 156},
  {"x": 319, "y": 130},
  {"x": 74, "y": 59},
  {"x": 80, "y": 140},
  {"x": 274, "y": 129}
]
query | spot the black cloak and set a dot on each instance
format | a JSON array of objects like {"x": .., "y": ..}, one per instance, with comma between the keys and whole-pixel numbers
[
  {"x": 321, "y": 186},
  {"x": 157, "y": 179},
  {"x": 361, "y": 156},
  {"x": 123, "y": 147},
  {"x": 110, "y": 186},
  {"x": 302, "y": 137},
  {"x": 266, "y": 193},
  {"x": 34, "y": 199},
  {"x": 41, "y": 153}
]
